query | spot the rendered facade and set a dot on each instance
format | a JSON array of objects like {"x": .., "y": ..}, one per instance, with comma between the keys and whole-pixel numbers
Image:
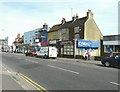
[{"x": 66, "y": 35}]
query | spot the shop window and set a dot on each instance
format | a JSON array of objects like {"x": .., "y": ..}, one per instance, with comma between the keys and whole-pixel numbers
[
  {"x": 117, "y": 48},
  {"x": 68, "y": 49},
  {"x": 107, "y": 48}
]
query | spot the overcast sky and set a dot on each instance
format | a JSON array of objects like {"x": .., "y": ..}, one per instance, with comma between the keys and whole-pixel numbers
[{"x": 20, "y": 17}]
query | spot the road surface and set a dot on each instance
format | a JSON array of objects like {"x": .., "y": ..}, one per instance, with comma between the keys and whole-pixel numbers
[{"x": 58, "y": 74}]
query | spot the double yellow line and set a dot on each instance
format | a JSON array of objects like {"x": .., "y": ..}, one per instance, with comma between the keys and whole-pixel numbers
[{"x": 34, "y": 84}]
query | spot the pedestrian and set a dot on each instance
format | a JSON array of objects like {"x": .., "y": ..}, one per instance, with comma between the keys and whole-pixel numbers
[
  {"x": 86, "y": 55},
  {"x": 110, "y": 52},
  {"x": 88, "y": 52}
]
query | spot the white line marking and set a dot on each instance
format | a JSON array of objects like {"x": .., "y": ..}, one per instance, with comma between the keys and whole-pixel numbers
[
  {"x": 31, "y": 61},
  {"x": 64, "y": 69},
  {"x": 115, "y": 83},
  {"x": 8, "y": 71}
]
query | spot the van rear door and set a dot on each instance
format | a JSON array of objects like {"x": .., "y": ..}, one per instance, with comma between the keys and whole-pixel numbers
[{"x": 52, "y": 52}]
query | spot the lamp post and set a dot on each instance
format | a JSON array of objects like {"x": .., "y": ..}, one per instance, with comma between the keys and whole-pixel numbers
[{"x": 75, "y": 47}]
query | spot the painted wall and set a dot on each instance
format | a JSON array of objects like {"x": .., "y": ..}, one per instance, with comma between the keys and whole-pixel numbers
[
  {"x": 53, "y": 35},
  {"x": 28, "y": 37},
  {"x": 43, "y": 36},
  {"x": 92, "y": 32}
]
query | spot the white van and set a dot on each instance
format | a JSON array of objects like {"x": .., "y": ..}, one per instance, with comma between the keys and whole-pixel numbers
[{"x": 47, "y": 52}]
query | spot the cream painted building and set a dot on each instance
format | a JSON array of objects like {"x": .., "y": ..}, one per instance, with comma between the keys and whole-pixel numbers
[{"x": 71, "y": 32}]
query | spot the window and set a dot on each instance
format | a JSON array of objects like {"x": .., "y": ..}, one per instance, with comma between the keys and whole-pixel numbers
[
  {"x": 68, "y": 49},
  {"x": 77, "y": 29},
  {"x": 64, "y": 34},
  {"x": 107, "y": 48},
  {"x": 76, "y": 36}
]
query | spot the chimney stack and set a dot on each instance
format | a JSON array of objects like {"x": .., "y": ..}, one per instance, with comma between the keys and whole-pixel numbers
[
  {"x": 76, "y": 16},
  {"x": 89, "y": 13},
  {"x": 73, "y": 18},
  {"x": 63, "y": 20}
]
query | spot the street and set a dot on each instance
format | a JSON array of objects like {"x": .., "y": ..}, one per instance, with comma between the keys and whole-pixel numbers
[{"x": 60, "y": 74}]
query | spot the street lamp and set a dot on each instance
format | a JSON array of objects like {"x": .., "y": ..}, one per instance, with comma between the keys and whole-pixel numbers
[{"x": 75, "y": 47}]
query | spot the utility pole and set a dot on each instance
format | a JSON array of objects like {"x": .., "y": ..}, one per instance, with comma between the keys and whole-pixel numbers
[{"x": 71, "y": 12}]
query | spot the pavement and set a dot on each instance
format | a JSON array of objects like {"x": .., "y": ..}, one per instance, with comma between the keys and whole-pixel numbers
[
  {"x": 72, "y": 59},
  {"x": 8, "y": 81},
  {"x": 11, "y": 81},
  {"x": 80, "y": 60}
]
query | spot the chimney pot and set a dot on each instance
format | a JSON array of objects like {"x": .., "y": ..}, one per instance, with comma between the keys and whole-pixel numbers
[{"x": 89, "y": 13}]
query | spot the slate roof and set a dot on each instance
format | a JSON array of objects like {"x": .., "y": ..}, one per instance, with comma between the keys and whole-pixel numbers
[
  {"x": 77, "y": 22},
  {"x": 65, "y": 25},
  {"x": 55, "y": 27}
]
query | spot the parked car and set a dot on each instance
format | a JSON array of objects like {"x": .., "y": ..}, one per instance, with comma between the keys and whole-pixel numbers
[
  {"x": 32, "y": 51},
  {"x": 111, "y": 61}
]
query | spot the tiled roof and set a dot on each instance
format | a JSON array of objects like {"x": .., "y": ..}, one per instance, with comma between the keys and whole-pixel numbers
[{"x": 55, "y": 27}]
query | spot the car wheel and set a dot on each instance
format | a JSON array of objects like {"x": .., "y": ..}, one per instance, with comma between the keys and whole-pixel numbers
[{"x": 107, "y": 64}]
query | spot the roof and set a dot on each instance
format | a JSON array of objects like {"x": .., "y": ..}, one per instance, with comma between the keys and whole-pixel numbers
[
  {"x": 79, "y": 21},
  {"x": 69, "y": 24},
  {"x": 111, "y": 35},
  {"x": 55, "y": 27},
  {"x": 66, "y": 24}
]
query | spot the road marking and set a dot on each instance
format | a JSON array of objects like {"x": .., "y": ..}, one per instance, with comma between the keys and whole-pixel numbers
[
  {"x": 115, "y": 83},
  {"x": 31, "y": 82},
  {"x": 31, "y": 61},
  {"x": 8, "y": 71},
  {"x": 63, "y": 69}
]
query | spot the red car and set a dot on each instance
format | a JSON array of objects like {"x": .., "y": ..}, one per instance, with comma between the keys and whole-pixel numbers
[{"x": 32, "y": 51}]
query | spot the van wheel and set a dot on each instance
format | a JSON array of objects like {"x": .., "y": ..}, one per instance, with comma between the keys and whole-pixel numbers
[
  {"x": 45, "y": 56},
  {"x": 54, "y": 57},
  {"x": 107, "y": 64}
]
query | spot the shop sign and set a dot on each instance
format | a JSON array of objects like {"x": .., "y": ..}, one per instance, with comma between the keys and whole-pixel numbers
[
  {"x": 87, "y": 44},
  {"x": 84, "y": 43},
  {"x": 44, "y": 43},
  {"x": 67, "y": 42},
  {"x": 36, "y": 40},
  {"x": 52, "y": 42}
]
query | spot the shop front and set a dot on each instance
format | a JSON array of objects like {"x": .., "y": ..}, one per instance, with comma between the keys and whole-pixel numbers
[
  {"x": 84, "y": 45},
  {"x": 66, "y": 49}
]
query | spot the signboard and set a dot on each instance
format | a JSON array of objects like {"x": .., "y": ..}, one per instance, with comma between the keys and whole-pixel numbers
[
  {"x": 87, "y": 44},
  {"x": 44, "y": 43},
  {"x": 84, "y": 43},
  {"x": 36, "y": 40},
  {"x": 66, "y": 42},
  {"x": 52, "y": 42}
]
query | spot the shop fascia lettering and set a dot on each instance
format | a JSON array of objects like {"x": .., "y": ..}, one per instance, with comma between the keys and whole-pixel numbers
[
  {"x": 52, "y": 42},
  {"x": 84, "y": 44}
]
